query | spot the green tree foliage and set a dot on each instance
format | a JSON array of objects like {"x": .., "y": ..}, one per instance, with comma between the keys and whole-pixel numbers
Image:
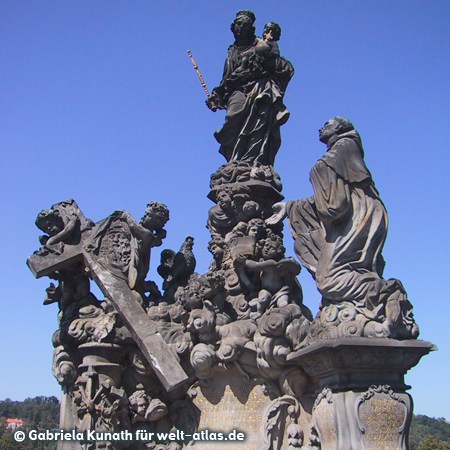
[
  {"x": 7, "y": 442},
  {"x": 42, "y": 412},
  {"x": 35, "y": 412},
  {"x": 433, "y": 443},
  {"x": 423, "y": 427}
]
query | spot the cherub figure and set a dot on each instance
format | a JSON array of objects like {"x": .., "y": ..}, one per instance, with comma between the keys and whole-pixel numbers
[
  {"x": 123, "y": 246},
  {"x": 255, "y": 228},
  {"x": 233, "y": 205},
  {"x": 146, "y": 409},
  {"x": 223, "y": 216},
  {"x": 216, "y": 246},
  {"x": 277, "y": 275},
  {"x": 155, "y": 217},
  {"x": 50, "y": 222},
  {"x": 63, "y": 222},
  {"x": 271, "y": 34}
]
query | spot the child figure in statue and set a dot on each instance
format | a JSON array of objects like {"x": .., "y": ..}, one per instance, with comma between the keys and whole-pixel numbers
[
  {"x": 266, "y": 48},
  {"x": 276, "y": 274}
]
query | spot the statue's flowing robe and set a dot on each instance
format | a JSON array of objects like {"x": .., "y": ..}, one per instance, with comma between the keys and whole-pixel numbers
[
  {"x": 340, "y": 231},
  {"x": 253, "y": 99}
]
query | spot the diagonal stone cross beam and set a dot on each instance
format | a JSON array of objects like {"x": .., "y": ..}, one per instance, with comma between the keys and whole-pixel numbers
[{"x": 117, "y": 289}]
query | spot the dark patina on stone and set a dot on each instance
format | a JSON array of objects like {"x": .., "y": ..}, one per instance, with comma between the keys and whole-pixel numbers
[{"x": 235, "y": 348}]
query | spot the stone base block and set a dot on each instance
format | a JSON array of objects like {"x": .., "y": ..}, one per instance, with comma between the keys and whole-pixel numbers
[{"x": 359, "y": 390}]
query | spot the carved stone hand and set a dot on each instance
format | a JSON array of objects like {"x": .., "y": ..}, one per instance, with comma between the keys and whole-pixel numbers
[{"x": 279, "y": 214}]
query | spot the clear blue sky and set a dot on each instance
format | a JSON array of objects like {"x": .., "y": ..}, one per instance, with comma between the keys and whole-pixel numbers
[{"x": 99, "y": 102}]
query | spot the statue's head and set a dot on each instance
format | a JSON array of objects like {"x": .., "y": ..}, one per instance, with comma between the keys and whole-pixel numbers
[
  {"x": 216, "y": 247},
  {"x": 256, "y": 227},
  {"x": 273, "y": 248},
  {"x": 138, "y": 402},
  {"x": 155, "y": 217},
  {"x": 224, "y": 198},
  {"x": 195, "y": 292},
  {"x": 344, "y": 125},
  {"x": 243, "y": 28},
  {"x": 335, "y": 126},
  {"x": 216, "y": 281},
  {"x": 250, "y": 208},
  {"x": 272, "y": 31},
  {"x": 50, "y": 221}
]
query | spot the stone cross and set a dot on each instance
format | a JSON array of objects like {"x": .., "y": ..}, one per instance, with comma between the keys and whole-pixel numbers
[{"x": 117, "y": 289}]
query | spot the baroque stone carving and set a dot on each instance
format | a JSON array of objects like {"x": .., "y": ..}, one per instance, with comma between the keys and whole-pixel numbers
[
  {"x": 236, "y": 342},
  {"x": 97, "y": 341},
  {"x": 371, "y": 392},
  {"x": 280, "y": 418},
  {"x": 339, "y": 235},
  {"x": 63, "y": 224},
  {"x": 254, "y": 81},
  {"x": 234, "y": 317}
]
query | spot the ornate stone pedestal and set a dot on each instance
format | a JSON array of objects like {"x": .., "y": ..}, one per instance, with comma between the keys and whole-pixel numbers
[
  {"x": 228, "y": 403},
  {"x": 359, "y": 389}
]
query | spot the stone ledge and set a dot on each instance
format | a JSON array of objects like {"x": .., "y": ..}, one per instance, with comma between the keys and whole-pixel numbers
[{"x": 357, "y": 363}]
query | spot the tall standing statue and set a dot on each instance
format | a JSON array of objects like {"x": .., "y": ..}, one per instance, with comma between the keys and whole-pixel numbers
[
  {"x": 254, "y": 81},
  {"x": 339, "y": 234}
]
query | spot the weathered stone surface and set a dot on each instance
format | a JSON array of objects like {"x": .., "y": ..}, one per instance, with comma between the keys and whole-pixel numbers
[
  {"x": 324, "y": 417},
  {"x": 227, "y": 403},
  {"x": 235, "y": 349},
  {"x": 357, "y": 363},
  {"x": 359, "y": 390},
  {"x": 384, "y": 418},
  {"x": 230, "y": 403},
  {"x": 252, "y": 90},
  {"x": 108, "y": 253},
  {"x": 375, "y": 419},
  {"x": 339, "y": 236},
  {"x": 142, "y": 329}
]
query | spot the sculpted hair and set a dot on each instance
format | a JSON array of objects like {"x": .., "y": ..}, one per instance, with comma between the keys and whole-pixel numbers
[
  {"x": 257, "y": 222},
  {"x": 216, "y": 240},
  {"x": 344, "y": 124},
  {"x": 136, "y": 395},
  {"x": 247, "y": 13},
  {"x": 46, "y": 215},
  {"x": 281, "y": 249},
  {"x": 226, "y": 190},
  {"x": 250, "y": 16},
  {"x": 276, "y": 30},
  {"x": 159, "y": 209}
]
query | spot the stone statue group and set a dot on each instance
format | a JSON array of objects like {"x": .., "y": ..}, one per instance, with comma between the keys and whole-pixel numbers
[
  {"x": 246, "y": 313},
  {"x": 340, "y": 230}
]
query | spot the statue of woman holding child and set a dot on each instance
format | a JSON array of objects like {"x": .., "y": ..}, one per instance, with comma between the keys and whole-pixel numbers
[{"x": 254, "y": 81}]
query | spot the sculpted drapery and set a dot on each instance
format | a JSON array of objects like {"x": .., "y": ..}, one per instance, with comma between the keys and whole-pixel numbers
[
  {"x": 340, "y": 231},
  {"x": 252, "y": 97},
  {"x": 339, "y": 235}
]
